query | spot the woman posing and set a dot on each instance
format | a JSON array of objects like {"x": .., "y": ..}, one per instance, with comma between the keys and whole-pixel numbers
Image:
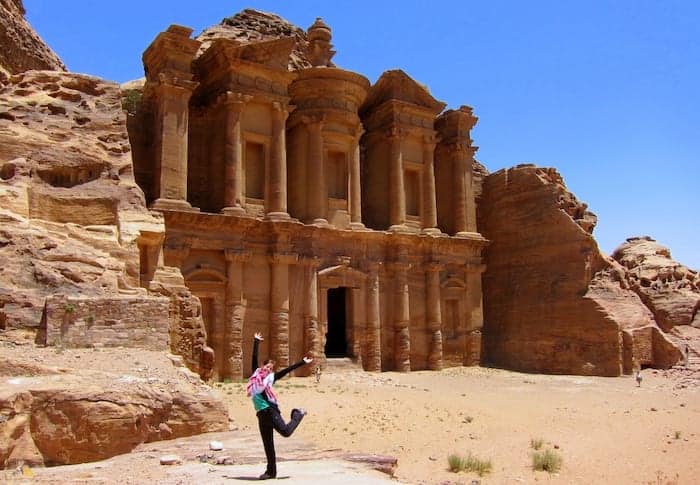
[{"x": 265, "y": 404}]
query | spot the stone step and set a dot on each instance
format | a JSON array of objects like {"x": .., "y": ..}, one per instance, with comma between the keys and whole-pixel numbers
[{"x": 341, "y": 364}]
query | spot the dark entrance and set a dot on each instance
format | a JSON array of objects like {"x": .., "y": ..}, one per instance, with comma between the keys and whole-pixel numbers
[{"x": 336, "y": 339}]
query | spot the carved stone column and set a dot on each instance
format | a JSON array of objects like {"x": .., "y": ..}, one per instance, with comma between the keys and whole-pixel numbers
[
  {"x": 433, "y": 315},
  {"x": 279, "y": 307},
  {"x": 373, "y": 336},
  {"x": 312, "y": 338},
  {"x": 234, "y": 104},
  {"x": 429, "y": 205},
  {"x": 235, "y": 313},
  {"x": 355, "y": 186},
  {"x": 217, "y": 338},
  {"x": 172, "y": 96},
  {"x": 166, "y": 95},
  {"x": 472, "y": 354},
  {"x": 318, "y": 196},
  {"x": 277, "y": 194},
  {"x": 402, "y": 337},
  {"x": 461, "y": 187},
  {"x": 468, "y": 180},
  {"x": 397, "y": 194}
]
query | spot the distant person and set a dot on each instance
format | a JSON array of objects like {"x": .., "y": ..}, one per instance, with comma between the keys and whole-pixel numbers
[
  {"x": 638, "y": 377},
  {"x": 318, "y": 374},
  {"x": 265, "y": 404}
]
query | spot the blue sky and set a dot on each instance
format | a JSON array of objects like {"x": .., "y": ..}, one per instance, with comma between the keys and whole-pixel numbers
[{"x": 608, "y": 92}]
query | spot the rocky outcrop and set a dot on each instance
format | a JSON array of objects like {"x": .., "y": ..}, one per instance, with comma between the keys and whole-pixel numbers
[
  {"x": 75, "y": 226},
  {"x": 255, "y": 26},
  {"x": 21, "y": 49},
  {"x": 55, "y": 416},
  {"x": 669, "y": 289},
  {"x": 552, "y": 301}
]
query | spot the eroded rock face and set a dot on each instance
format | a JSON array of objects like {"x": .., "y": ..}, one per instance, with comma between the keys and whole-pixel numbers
[
  {"x": 670, "y": 289},
  {"x": 74, "y": 221},
  {"x": 21, "y": 49},
  {"x": 552, "y": 301},
  {"x": 54, "y": 416},
  {"x": 254, "y": 26}
]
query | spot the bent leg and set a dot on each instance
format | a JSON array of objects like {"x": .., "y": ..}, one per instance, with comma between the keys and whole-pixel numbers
[{"x": 285, "y": 429}]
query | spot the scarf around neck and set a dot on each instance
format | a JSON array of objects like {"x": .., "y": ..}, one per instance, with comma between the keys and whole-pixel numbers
[{"x": 258, "y": 384}]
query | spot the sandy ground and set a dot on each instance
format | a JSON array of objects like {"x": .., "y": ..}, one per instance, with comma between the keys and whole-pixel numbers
[{"x": 606, "y": 430}]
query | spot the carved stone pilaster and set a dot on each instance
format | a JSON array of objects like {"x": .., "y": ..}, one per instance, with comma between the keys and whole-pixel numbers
[
  {"x": 235, "y": 312},
  {"x": 397, "y": 194},
  {"x": 277, "y": 193},
  {"x": 428, "y": 202},
  {"x": 433, "y": 314},
  {"x": 312, "y": 336},
  {"x": 402, "y": 337},
  {"x": 279, "y": 307},
  {"x": 373, "y": 360},
  {"x": 234, "y": 105}
]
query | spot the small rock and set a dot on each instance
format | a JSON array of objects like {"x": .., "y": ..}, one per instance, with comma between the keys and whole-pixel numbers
[
  {"x": 170, "y": 460},
  {"x": 216, "y": 445},
  {"x": 224, "y": 460}
]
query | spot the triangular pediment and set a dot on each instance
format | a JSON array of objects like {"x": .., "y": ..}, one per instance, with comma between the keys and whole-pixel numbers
[{"x": 396, "y": 85}]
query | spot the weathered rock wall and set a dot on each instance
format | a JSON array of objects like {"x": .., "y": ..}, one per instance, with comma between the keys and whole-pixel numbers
[
  {"x": 74, "y": 221},
  {"x": 552, "y": 301},
  {"x": 21, "y": 49}
]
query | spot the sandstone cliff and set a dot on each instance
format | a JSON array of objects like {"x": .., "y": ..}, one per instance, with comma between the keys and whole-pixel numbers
[
  {"x": 78, "y": 245},
  {"x": 552, "y": 301},
  {"x": 21, "y": 49}
]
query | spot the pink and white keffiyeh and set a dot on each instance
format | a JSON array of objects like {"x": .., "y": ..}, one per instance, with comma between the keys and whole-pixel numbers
[{"x": 260, "y": 382}]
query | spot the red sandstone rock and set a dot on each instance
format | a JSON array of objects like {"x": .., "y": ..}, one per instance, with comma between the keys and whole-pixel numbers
[
  {"x": 552, "y": 301},
  {"x": 21, "y": 49},
  {"x": 51, "y": 417}
]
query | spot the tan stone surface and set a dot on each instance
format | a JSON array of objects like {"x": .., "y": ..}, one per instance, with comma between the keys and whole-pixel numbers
[
  {"x": 670, "y": 289},
  {"x": 553, "y": 302},
  {"x": 73, "y": 406},
  {"x": 21, "y": 49}
]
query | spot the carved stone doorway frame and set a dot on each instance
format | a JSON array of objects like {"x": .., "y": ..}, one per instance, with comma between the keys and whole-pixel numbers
[{"x": 355, "y": 282}]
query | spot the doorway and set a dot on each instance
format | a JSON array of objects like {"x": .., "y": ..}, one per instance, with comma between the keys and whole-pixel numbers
[{"x": 336, "y": 338}]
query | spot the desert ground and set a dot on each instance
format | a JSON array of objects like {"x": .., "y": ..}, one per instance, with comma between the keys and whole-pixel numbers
[{"x": 606, "y": 430}]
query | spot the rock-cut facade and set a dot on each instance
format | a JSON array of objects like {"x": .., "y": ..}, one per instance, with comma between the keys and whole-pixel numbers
[{"x": 334, "y": 216}]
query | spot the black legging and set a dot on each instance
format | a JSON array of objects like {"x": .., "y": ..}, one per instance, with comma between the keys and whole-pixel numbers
[{"x": 270, "y": 419}]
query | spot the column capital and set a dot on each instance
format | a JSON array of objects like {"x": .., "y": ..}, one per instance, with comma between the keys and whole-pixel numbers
[
  {"x": 396, "y": 133},
  {"x": 169, "y": 80},
  {"x": 235, "y": 100},
  {"x": 310, "y": 262},
  {"x": 284, "y": 258},
  {"x": 398, "y": 266},
  {"x": 431, "y": 138},
  {"x": 434, "y": 266},
  {"x": 237, "y": 255},
  {"x": 281, "y": 111},
  {"x": 314, "y": 120}
]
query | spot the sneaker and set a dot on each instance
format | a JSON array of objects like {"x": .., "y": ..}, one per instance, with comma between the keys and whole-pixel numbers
[
  {"x": 299, "y": 411},
  {"x": 265, "y": 476}
]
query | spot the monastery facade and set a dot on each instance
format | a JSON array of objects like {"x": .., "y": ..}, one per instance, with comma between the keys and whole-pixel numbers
[{"x": 334, "y": 216}]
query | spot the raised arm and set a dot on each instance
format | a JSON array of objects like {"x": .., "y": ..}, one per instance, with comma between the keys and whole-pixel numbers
[
  {"x": 279, "y": 375},
  {"x": 256, "y": 343}
]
